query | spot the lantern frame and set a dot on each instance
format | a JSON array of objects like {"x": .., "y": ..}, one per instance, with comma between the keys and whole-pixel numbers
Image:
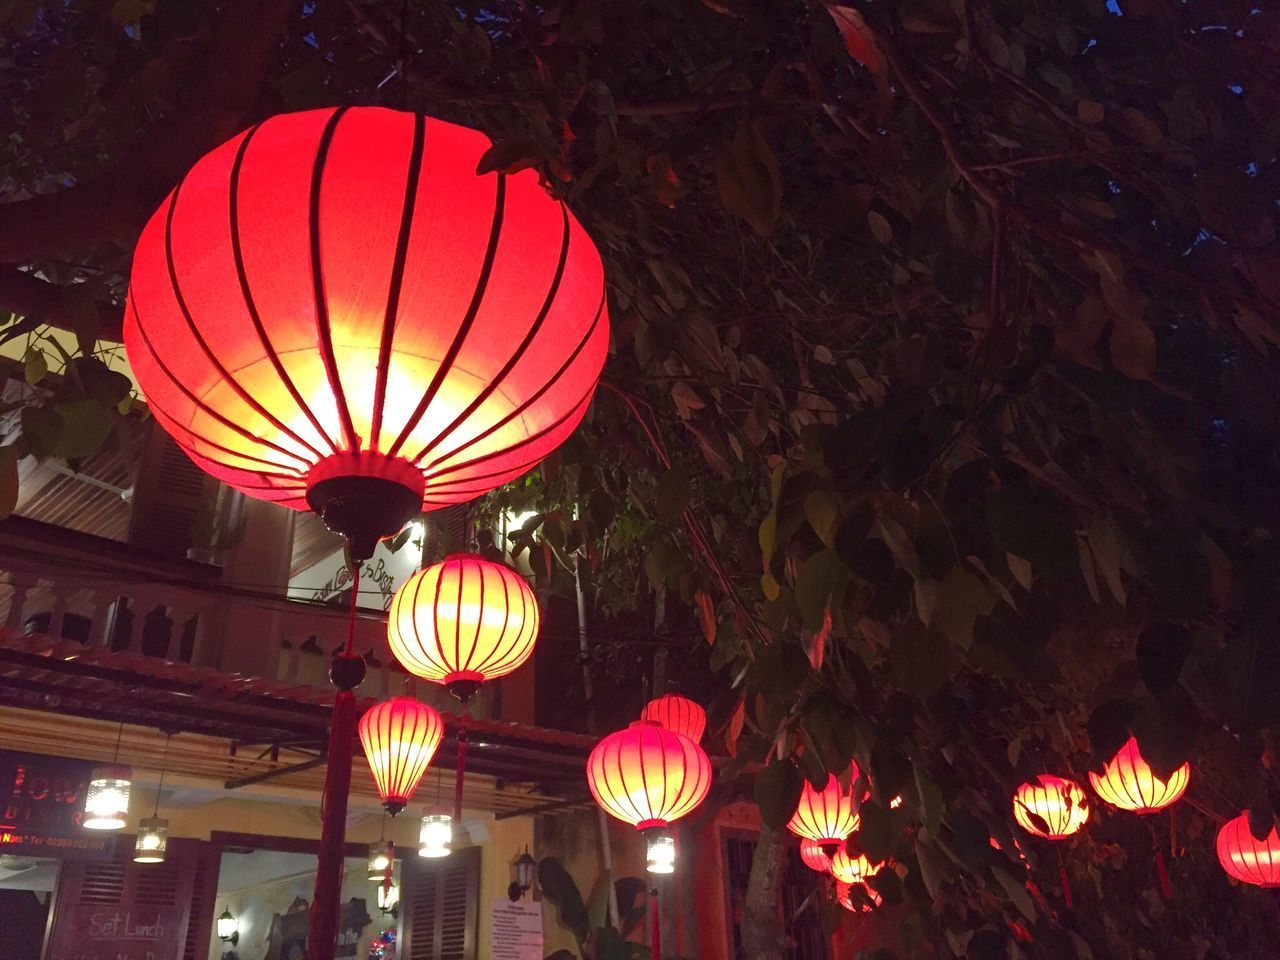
[
  {"x": 826, "y": 816},
  {"x": 677, "y": 713},
  {"x": 1060, "y": 803},
  {"x": 1246, "y": 858},
  {"x": 628, "y": 772},
  {"x": 106, "y": 800},
  {"x": 400, "y": 737},
  {"x": 152, "y": 841}
]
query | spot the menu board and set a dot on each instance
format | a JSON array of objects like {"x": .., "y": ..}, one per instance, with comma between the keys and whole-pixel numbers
[
  {"x": 41, "y": 805},
  {"x": 515, "y": 931},
  {"x": 122, "y": 933}
]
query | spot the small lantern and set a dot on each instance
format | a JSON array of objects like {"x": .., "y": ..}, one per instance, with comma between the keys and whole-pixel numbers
[
  {"x": 826, "y": 816},
  {"x": 661, "y": 852},
  {"x": 1247, "y": 858},
  {"x": 435, "y": 838},
  {"x": 849, "y": 869},
  {"x": 106, "y": 803},
  {"x": 228, "y": 927},
  {"x": 1051, "y": 807},
  {"x": 814, "y": 857},
  {"x": 380, "y": 858},
  {"x": 678, "y": 714},
  {"x": 399, "y": 737},
  {"x": 1127, "y": 782},
  {"x": 153, "y": 840},
  {"x": 389, "y": 899}
]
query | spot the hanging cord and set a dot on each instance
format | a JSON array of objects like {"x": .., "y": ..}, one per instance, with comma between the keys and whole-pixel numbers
[
  {"x": 351, "y": 608},
  {"x": 1162, "y": 872},
  {"x": 115, "y": 757},
  {"x": 460, "y": 774},
  {"x": 1067, "y": 900},
  {"x": 655, "y": 936},
  {"x": 401, "y": 59},
  {"x": 164, "y": 761}
]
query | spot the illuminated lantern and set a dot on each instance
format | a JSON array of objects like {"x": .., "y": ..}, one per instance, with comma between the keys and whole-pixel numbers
[
  {"x": 677, "y": 713},
  {"x": 848, "y": 869},
  {"x": 399, "y": 736},
  {"x": 844, "y": 893},
  {"x": 435, "y": 836},
  {"x": 463, "y": 621},
  {"x": 814, "y": 857},
  {"x": 1128, "y": 783},
  {"x": 649, "y": 777},
  {"x": 1247, "y": 858},
  {"x": 1060, "y": 805},
  {"x": 106, "y": 802},
  {"x": 334, "y": 311},
  {"x": 825, "y": 816}
]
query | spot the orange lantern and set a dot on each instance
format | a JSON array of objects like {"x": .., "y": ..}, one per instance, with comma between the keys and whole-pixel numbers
[
  {"x": 849, "y": 869},
  {"x": 463, "y": 621},
  {"x": 399, "y": 736},
  {"x": 844, "y": 893},
  {"x": 1051, "y": 807},
  {"x": 1128, "y": 783},
  {"x": 826, "y": 816},
  {"x": 677, "y": 713},
  {"x": 334, "y": 310},
  {"x": 814, "y": 857},
  {"x": 648, "y": 776},
  {"x": 1247, "y": 858}
]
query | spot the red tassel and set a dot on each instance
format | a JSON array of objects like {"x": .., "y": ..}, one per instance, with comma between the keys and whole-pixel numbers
[
  {"x": 459, "y": 776},
  {"x": 655, "y": 945},
  {"x": 1166, "y": 888},
  {"x": 326, "y": 903},
  {"x": 1066, "y": 889}
]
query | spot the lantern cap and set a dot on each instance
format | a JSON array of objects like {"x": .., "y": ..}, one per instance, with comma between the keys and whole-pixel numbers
[
  {"x": 365, "y": 497},
  {"x": 463, "y": 684}
]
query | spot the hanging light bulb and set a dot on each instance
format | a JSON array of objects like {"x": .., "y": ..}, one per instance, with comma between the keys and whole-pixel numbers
[
  {"x": 106, "y": 801},
  {"x": 661, "y": 853},
  {"x": 435, "y": 838},
  {"x": 388, "y": 898},
  {"x": 380, "y": 857},
  {"x": 153, "y": 831},
  {"x": 228, "y": 927}
]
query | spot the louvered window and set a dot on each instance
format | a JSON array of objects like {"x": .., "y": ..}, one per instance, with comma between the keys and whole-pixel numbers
[
  {"x": 440, "y": 907},
  {"x": 183, "y": 886},
  {"x": 801, "y": 919}
]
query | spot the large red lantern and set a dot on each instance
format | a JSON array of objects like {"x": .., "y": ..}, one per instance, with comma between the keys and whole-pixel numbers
[
  {"x": 677, "y": 713},
  {"x": 1247, "y": 858},
  {"x": 648, "y": 776},
  {"x": 1127, "y": 782},
  {"x": 463, "y": 621},
  {"x": 333, "y": 310},
  {"x": 1051, "y": 807},
  {"x": 399, "y": 736},
  {"x": 826, "y": 816}
]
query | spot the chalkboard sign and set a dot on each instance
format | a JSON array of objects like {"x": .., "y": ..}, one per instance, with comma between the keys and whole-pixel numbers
[
  {"x": 41, "y": 805},
  {"x": 92, "y": 932}
]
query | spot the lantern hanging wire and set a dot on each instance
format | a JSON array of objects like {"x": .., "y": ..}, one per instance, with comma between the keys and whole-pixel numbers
[{"x": 106, "y": 805}]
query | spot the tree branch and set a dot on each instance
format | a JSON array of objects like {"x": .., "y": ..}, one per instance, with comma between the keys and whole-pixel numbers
[{"x": 30, "y": 297}]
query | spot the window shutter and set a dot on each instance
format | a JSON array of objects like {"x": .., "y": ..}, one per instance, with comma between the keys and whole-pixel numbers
[
  {"x": 170, "y": 497},
  {"x": 441, "y": 907}
]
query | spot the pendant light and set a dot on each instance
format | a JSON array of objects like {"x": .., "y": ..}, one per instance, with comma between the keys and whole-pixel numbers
[
  {"x": 106, "y": 801},
  {"x": 399, "y": 737},
  {"x": 334, "y": 311},
  {"x": 1245, "y": 857},
  {"x": 826, "y": 816},
  {"x": 1127, "y": 782},
  {"x": 153, "y": 832},
  {"x": 435, "y": 836},
  {"x": 649, "y": 777},
  {"x": 1051, "y": 807},
  {"x": 228, "y": 927}
]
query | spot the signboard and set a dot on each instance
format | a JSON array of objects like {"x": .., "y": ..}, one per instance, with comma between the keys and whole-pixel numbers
[
  {"x": 380, "y": 576},
  {"x": 122, "y": 933},
  {"x": 41, "y": 805},
  {"x": 515, "y": 930}
]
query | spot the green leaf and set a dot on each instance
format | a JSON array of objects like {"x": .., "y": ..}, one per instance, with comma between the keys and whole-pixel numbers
[
  {"x": 819, "y": 586},
  {"x": 41, "y": 430},
  {"x": 922, "y": 658},
  {"x": 86, "y": 424},
  {"x": 780, "y": 669},
  {"x": 35, "y": 365},
  {"x": 777, "y": 791},
  {"x": 1016, "y": 891},
  {"x": 598, "y": 902},
  {"x": 674, "y": 492},
  {"x": 558, "y": 887},
  {"x": 961, "y": 599},
  {"x": 1032, "y": 523},
  {"x": 748, "y": 179},
  {"x": 1163, "y": 649},
  {"x": 930, "y": 798},
  {"x": 821, "y": 509},
  {"x": 8, "y": 482},
  {"x": 880, "y": 227},
  {"x": 876, "y": 833}
]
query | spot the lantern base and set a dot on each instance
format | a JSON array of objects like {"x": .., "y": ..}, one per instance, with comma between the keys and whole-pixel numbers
[
  {"x": 463, "y": 690},
  {"x": 365, "y": 498},
  {"x": 393, "y": 806}
]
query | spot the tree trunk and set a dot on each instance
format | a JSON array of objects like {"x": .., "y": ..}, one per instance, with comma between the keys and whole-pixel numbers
[{"x": 763, "y": 937}]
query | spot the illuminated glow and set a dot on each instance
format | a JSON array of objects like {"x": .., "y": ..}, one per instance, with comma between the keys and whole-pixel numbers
[
  {"x": 399, "y": 737},
  {"x": 1128, "y": 783},
  {"x": 677, "y": 713},
  {"x": 848, "y": 869},
  {"x": 1247, "y": 858},
  {"x": 435, "y": 838},
  {"x": 380, "y": 857},
  {"x": 388, "y": 898},
  {"x": 152, "y": 841},
  {"x": 661, "y": 853},
  {"x": 648, "y": 776},
  {"x": 463, "y": 619},
  {"x": 826, "y": 816},
  {"x": 814, "y": 857},
  {"x": 228, "y": 926},
  {"x": 335, "y": 282},
  {"x": 1060, "y": 804},
  {"x": 106, "y": 802}
]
